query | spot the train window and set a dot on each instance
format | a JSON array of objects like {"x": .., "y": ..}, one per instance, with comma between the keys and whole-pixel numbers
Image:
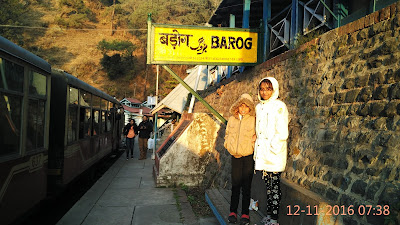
[
  {"x": 96, "y": 102},
  {"x": 72, "y": 123},
  {"x": 10, "y": 123},
  {"x": 103, "y": 121},
  {"x": 86, "y": 98},
  {"x": 96, "y": 122},
  {"x": 73, "y": 96},
  {"x": 36, "y": 120},
  {"x": 12, "y": 76},
  {"x": 104, "y": 104},
  {"x": 85, "y": 122},
  {"x": 37, "y": 84},
  {"x": 109, "y": 120}
]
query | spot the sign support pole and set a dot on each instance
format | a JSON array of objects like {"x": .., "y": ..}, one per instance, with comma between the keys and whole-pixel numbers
[
  {"x": 222, "y": 119},
  {"x": 153, "y": 156}
]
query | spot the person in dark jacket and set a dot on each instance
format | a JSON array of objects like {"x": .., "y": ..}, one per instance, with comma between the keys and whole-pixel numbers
[
  {"x": 145, "y": 128},
  {"x": 130, "y": 131}
]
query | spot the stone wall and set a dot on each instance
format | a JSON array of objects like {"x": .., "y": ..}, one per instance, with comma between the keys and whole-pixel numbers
[
  {"x": 186, "y": 159},
  {"x": 343, "y": 95}
]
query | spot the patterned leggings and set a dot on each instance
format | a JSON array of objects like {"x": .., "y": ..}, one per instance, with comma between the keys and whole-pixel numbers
[{"x": 274, "y": 194}]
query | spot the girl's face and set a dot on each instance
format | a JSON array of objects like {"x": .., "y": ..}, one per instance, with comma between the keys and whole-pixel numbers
[
  {"x": 265, "y": 91},
  {"x": 243, "y": 109}
]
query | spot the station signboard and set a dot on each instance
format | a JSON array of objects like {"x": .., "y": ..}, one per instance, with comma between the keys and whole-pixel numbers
[{"x": 196, "y": 45}]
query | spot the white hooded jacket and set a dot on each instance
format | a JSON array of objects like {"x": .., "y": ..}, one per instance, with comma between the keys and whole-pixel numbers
[{"x": 270, "y": 151}]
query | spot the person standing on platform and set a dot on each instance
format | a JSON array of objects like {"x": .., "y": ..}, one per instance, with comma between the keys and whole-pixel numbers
[
  {"x": 130, "y": 131},
  {"x": 145, "y": 128},
  {"x": 270, "y": 151},
  {"x": 239, "y": 141}
]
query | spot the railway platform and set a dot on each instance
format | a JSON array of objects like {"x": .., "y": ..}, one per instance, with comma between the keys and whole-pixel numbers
[{"x": 126, "y": 194}]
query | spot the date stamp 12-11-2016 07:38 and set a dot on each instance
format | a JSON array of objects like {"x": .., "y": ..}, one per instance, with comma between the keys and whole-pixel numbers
[{"x": 335, "y": 210}]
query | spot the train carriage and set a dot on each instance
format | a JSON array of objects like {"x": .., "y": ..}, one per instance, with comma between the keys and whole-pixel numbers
[
  {"x": 24, "y": 129},
  {"x": 84, "y": 127},
  {"x": 53, "y": 128}
]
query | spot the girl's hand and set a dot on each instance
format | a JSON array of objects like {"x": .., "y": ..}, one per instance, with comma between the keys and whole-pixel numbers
[{"x": 254, "y": 138}]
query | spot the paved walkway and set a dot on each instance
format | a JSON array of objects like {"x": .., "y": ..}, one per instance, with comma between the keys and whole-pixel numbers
[{"x": 126, "y": 194}]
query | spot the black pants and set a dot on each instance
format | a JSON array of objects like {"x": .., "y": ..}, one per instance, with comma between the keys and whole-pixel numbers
[{"x": 242, "y": 175}]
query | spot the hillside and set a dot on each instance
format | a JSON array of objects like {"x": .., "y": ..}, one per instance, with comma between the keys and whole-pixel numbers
[{"x": 66, "y": 33}]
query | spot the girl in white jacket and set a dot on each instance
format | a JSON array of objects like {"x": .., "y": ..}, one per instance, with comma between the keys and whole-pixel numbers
[{"x": 270, "y": 151}]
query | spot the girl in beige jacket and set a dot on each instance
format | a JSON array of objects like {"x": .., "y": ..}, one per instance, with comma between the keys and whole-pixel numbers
[{"x": 239, "y": 142}]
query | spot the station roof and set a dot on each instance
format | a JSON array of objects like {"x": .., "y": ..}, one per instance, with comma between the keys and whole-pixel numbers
[
  {"x": 221, "y": 15},
  {"x": 176, "y": 99},
  {"x": 142, "y": 110}
]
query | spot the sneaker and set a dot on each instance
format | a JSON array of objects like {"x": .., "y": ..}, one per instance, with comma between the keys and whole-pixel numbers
[
  {"x": 232, "y": 218},
  {"x": 245, "y": 219},
  {"x": 127, "y": 158},
  {"x": 131, "y": 157}
]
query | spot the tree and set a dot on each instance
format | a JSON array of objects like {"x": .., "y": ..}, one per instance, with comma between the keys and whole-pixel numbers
[
  {"x": 11, "y": 13},
  {"x": 73, "y": 14},
  {"x": 116, "y": 65}
]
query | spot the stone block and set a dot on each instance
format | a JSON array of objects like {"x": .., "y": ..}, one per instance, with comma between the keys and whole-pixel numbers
[
  {"x": 328, "y": 100},
  {"x": 357, "y": 170},
  {"x": 328, "y": 37},
  {"x": 380, "y": 92},
  {"x": 362, "y": 34},
  {"x": 373, "y": 172},
  {"x": 358, "y": 24},
  {"x": 391, "y": 109},
  {"x": 352, "y": 110},
  {"x": 309, "y": 170},
  {"x": 377, "y": 78},
  {"x": 393, "y": 142},
  {"x": 377, "y": 108},
  {"x": 363, "y": 110},
  {"x": 332, "y": 194},
  {"x": 373, "y": 189},
  {"x": 328, "y": 162},
  {"x": 384, "y": 14},
  {"x": 394, "y": 91},
  {"x": 371, "y": 19},
  {"x": 397, "y": 7},
  {"x": 395, "y": 22},
  {"x": 344, "y": 30},
  {"x": 379, "y": 124},
  {"x": 340, "y": 98},
  {"x": 353, "y": 38},
  {"x": 391, "y": 76},
  {"x": 359, "y": 187},
  {"x": 318, "y": 188},
  {"x": 361, "y": 81},
  {"x": 341, "y": 182},
  {"x": 390, "y": 195},
  {"x": 348, "y": 83},
  {"x": 341, "y": 164},
  {"x": 351, "y": 96},
  {"x": 392, "y": 10},
  {"x": 327, "y": 176},
  {"x": 374, "y": 62}
]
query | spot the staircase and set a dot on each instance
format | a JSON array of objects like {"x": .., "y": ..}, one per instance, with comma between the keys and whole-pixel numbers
[{"x": 166, "y": 141}]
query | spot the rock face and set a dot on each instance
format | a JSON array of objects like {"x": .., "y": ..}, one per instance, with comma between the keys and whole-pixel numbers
[{"x": 343, "y": 95}]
